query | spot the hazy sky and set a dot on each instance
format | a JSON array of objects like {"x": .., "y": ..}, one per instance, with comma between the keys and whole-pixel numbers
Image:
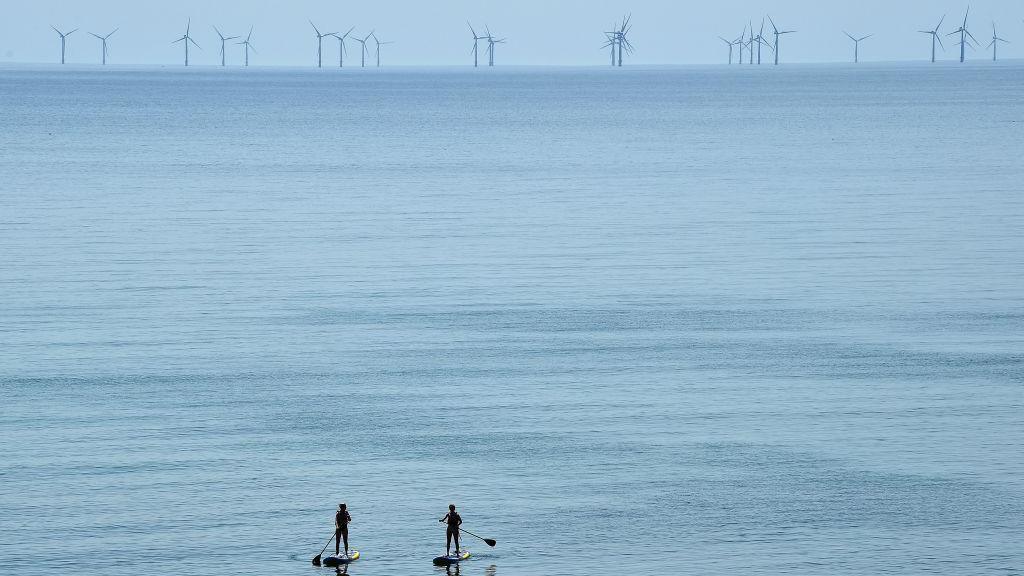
[{"x": 538, "y": 31}]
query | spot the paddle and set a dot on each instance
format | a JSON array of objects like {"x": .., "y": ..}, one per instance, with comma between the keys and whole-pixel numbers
[
  {"x": 488, "y": 541},
  {"x": 316, "y": 559}
]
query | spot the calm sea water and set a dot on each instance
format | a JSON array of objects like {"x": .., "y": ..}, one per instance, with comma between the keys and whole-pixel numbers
[{"x": 640, "y": 321}]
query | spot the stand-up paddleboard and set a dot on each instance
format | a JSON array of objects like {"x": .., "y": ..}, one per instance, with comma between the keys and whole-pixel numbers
[
  {"x": 341, "y": 560},
  {"x": 451, "y": 558}
]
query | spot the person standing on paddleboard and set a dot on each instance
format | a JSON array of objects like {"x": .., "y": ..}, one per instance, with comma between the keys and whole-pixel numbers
[
  {"x": 454, "y": 520},
  {"x": 341, "y": 520}
]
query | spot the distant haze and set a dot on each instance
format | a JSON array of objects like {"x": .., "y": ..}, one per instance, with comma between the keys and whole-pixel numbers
[{"x": 560, "y": 32}]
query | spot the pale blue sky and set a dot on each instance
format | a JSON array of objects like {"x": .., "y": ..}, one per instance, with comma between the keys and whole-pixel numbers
[{"x": 539, "y": 31}]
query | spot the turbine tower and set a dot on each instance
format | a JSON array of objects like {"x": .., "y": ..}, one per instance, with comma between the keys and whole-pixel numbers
[
  {"x": 750, "y": 43},
  {"x": 186, "y": 39},
  {"x": 856, "y": 45},
  {"x": 248, "y": 46},
  {"x": 994, "y": 45},
  {"x": 935, "y": 36},
  {"x": 476, "y": 45},
  {"x": 223, "y": 41},
  {"x": 965, "y": 37},
  {"x": 777, "y": 34},
  {"x": 319, "y": 45},
  {"x": 739, "y": 42},
  {"x": 342, "y": 49},
  {"x": 63, "y": 41},
  {"x": 103, "y": 40},
  {"x": 760, "y": 41},
  {"x": 379, "y": 44}
]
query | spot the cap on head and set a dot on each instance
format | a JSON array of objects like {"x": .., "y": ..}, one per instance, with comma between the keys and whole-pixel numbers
[
  {"x": 451, "y": 507},
  {"x": 342, "y": 506}
]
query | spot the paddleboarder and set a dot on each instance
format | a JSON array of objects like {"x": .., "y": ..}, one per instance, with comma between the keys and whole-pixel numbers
[
  {"x": 454, "y": 520},
  {"x": 341, "y": 520}
]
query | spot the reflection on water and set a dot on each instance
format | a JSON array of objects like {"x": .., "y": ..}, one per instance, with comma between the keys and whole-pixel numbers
[{"x": 453, "y": 570}]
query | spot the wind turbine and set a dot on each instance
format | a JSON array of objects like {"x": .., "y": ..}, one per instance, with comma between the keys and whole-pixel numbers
[
  {"x": 995, "y": 42},
  {"x": 103, "y": 39},
  {"x": 616, "y": 39},
  {"x": 620, "y": 35},
  {"x": 319, "y": 45},
  {"x": 760, "y": 41},
  {"x": 362, "y": 41},
  {"x": 731, "y": 45},
  {"x": 223, "y": 41},
  {"x": 777, "y": 34},
  {"x": 379, "y": 44},
  {"x": 964, "y": 34},
  {"x": 935, "y": 36},
  {"x": 476, "y": 45},
  {"x": 742, "y": 43},
  {"x": 342, "y": 50},
  {"x": 248, "y": 46},
  {"x": 856, "y": 45},
  {"x": 186, "y": 39},
  {"x": 63, "y": 40},
  {"x": 490, "y": 46}
]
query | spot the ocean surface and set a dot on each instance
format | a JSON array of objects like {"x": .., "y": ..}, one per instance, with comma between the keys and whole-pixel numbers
[{"x": 650, "y": 322}]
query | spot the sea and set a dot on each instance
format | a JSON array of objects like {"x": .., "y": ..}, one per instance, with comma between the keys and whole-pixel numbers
[{"x": 646, "y": 321}]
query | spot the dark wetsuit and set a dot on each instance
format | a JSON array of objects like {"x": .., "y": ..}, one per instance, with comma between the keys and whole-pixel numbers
[
  {"x": 453, "y": 519},
  {"x": 341, "y": 520}
]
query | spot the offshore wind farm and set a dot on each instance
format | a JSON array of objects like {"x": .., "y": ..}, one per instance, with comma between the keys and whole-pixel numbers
[{"x": 618, "y": 40}]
